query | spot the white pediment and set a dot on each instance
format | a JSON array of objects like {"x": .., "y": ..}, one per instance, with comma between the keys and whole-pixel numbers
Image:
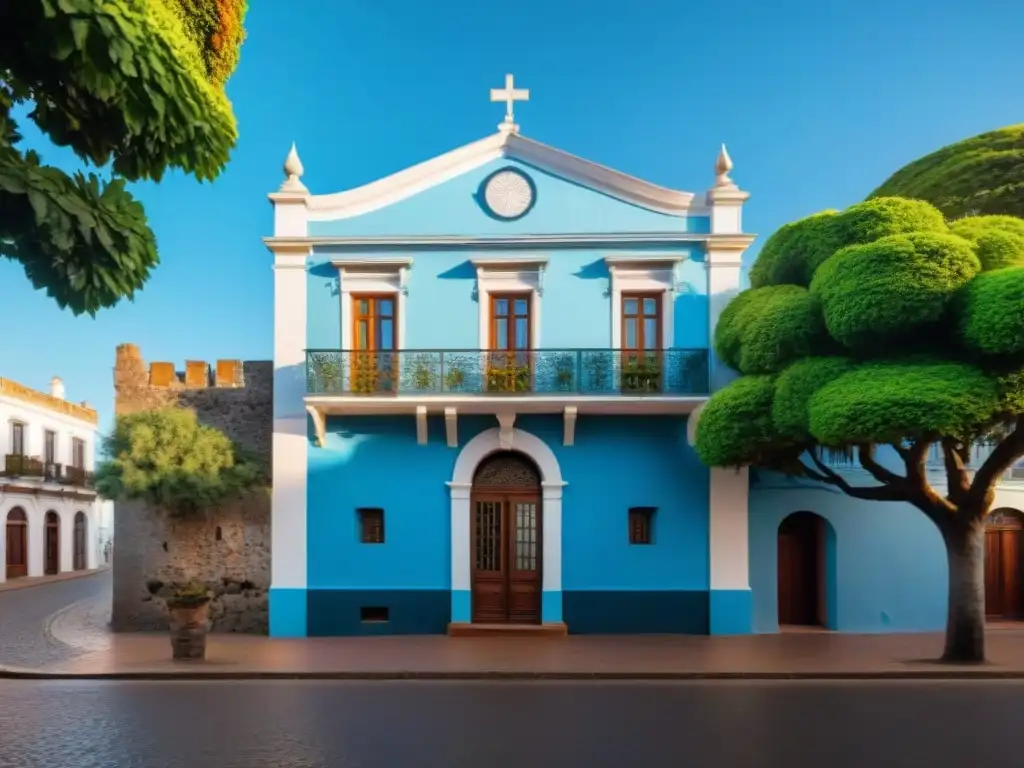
[{"x": 418, "y": 178}]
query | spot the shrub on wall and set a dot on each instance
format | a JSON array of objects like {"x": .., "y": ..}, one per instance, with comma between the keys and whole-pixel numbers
[{"x": 168, "y": 459}]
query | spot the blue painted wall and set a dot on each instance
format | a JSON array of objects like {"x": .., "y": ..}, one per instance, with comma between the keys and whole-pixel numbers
[
  {"x": 888, "y": 560},
  {"x": 442, "y": 310},
  {"x": 454, "y": 207},
  {"x": 608, "y": 584}
]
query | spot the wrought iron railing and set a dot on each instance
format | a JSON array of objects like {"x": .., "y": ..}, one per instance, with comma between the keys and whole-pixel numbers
[
  {"x": 34, "y": 468},
  {"x": 499, "y": 372}
]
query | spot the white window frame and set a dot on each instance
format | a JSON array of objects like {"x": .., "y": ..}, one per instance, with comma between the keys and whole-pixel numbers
[
  {"x": 377, "y": 276},
  {"x": 644, "y": 274},
  {"x": 505, "y": 275}
]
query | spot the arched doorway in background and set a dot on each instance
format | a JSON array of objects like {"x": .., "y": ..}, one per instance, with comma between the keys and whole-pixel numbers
[
  {"x": 80, "y": 539},
  {"x": 1003, "y": 593},
  {"x": 802, "y": 571},
  {"x": 505, "y": 540},
  {"x": 51, "y": 544},
  {"x": 17, "y": 544}
]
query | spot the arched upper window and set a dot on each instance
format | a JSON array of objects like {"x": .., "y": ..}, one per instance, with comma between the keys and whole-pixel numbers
[
  {"x": 17, "y": 515},
  {"x": 507, "y": 468}
]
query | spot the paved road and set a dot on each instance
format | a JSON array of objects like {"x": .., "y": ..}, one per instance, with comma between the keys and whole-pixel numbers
[
  {"x": 23, "y": 615},
  {"x": 451, "y": 725}
]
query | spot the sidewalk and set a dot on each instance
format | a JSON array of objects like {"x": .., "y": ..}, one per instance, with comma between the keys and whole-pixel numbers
[
  {"x": 36, "y": 581},
  {"x": 811, "y": 655}
]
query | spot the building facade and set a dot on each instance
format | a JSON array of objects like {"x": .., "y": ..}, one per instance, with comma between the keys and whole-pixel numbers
[
  {"x": 47, "y": 501},
  {"x": 486, "y": 373},
  {"x": 484, "y": 366}
]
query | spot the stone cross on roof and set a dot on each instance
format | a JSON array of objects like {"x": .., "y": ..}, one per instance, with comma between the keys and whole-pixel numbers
[{"x": 510, "y": 95}]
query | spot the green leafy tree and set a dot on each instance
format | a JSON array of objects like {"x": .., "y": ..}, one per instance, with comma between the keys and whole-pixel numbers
[
  {"x": 883, "y": 325},
  {"x": 168, "y": 459},
  {"x": 980, "y": 175},
  {"x": 136, "y": 85}
]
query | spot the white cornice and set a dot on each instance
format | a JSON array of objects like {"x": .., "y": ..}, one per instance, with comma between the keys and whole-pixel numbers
[
  {"x": 513, "y": 263},
  {"x": 721, "y": 241},
  {"x": 378, "y": 264},
  {"x": 417, "y": 178},
  {"x": 645, "y": 261}
]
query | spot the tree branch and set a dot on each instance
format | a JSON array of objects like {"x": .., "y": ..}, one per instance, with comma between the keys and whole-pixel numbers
[
  {"x": 901, "y": 450},
  {"x": 957, "y": 484},
  {"x": 827, "y": 475},
  {"x": 1009, "y": 450},
  {"x": 866, "y": 456}
]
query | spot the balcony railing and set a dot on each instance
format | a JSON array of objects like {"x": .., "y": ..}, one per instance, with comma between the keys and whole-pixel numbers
[
  {"x": 34, "y": 468},
  {"x": 498, "y": 372}
]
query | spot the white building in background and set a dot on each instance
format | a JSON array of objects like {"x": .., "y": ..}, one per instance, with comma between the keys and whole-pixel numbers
[{"x": 51, "y": 514}]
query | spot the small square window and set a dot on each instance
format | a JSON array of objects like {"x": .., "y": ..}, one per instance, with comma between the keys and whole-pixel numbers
[
  {"x": 641, "y": 525},
  {"x": 371, "y": 525}
]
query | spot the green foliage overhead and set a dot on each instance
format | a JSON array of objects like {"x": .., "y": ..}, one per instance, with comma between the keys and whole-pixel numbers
[
  {"x": 992, "y": 312},
  {"x": 998, "y": 240},
  {"x": 901, "y": 336},
  {"x": 793, "y": 254},
  {"x": 735, "y": 426},
  {"x": 168, "y": 459},
  {"x": 125, "y": 85},
  {"x": 788, "y": 255},
  {"x": 890, "y": 402},
  {"x": 796, "y": 385},
  {"x": 884, "y": 292},
  {"x": 980, "y": 175}
]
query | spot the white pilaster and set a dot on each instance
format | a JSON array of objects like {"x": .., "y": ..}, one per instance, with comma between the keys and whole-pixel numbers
[
  {"x": 728, "y": 530},
  {"x": 724, "y": 255},
  {"x": 461, "y": 570},
  {"x": 290, "y": 441}
]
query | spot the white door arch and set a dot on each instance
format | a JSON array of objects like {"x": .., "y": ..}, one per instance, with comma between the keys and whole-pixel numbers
[{"x": 476, "y": 450}]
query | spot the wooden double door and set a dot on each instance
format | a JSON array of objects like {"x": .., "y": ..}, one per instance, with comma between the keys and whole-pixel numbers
[
  {"x": 506, "y": 557},
  {"x": 1003, "y": 594}
]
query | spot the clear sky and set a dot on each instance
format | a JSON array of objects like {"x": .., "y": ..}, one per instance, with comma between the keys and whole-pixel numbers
[{"x": 818, "y": 103}]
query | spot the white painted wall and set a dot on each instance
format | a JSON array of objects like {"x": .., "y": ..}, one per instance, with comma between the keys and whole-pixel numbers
[{"x": 37, "y": 420}]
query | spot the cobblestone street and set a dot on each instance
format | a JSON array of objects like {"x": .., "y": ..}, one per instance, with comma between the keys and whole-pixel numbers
[{"x": 54, "y": 622}]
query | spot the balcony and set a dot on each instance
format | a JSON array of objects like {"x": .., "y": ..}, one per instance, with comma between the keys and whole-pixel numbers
[
  {"x": 34, "y": 468},
  {"x": 680, "y": 372},
  {"x": 503, "y": 383}
]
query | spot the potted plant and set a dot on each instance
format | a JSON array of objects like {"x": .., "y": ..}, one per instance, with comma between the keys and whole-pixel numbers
[
  {"x": 564, "y": 373},
  {"x": 423, "y": 377},
  {"x": 189, "y": 607},
  {"x": 328, "y": 374},
  {"x": 454, "y": 378}
]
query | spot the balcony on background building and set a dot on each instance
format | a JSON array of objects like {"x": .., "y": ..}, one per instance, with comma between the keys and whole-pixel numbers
[
  {"x": 505, "y": 384},
  {"x": 35, "y": 469},
  {"x": 460, "y": 373}
]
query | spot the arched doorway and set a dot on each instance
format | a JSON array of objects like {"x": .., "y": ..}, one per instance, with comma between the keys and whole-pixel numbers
[
  {"x": 51, "y": 544},
  {"x": 17, "y": 543},
  {"x": 802, "y": 571},
  {"x": 1003, "y": 531},
  {"x": 80, "y": 537},
  {"x": 505, "y": 540}
]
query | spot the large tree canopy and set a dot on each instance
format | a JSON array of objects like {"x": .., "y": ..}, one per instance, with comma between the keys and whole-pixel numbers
[
  {"x": 980, "y": 175},
  {"x": 134, "y": 84},
  {"x": 881, "y": 325},
  {"x": 877, "y": 325}
]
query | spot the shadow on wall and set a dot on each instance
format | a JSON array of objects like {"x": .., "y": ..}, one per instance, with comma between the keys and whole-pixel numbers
[{"x": 888, "y": 561}]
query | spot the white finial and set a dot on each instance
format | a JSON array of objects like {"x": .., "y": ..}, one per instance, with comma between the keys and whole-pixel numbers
[
  {"x": 510, "y": 95},
  {"x": 722, "y": 167},
  {"x": 293, "y": 171}
]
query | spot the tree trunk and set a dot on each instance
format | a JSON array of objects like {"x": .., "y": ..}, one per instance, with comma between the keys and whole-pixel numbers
[{"x": 965, "y": 624}]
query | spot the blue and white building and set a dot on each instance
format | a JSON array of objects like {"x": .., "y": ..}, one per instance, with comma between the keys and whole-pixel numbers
[{"x": 485, "y": 370}]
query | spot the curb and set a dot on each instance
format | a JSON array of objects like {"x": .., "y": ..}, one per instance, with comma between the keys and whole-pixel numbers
[
  {"x": 14, "y": 673},
  {"x": 35, "y": 581}
]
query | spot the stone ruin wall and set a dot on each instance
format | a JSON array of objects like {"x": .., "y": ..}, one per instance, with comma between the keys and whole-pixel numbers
[{"x": 228, "y": 548}]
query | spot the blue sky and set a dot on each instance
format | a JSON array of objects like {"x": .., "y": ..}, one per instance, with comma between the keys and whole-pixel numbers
[{"x": 818, "y": 103}]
